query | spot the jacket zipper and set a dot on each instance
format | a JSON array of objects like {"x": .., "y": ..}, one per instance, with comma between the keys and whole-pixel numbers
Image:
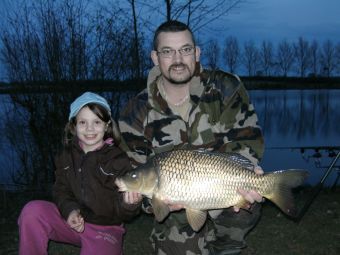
[{"x": 188, "y": 132}]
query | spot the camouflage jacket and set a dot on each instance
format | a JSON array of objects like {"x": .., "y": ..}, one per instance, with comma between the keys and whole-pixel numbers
[{"x": 221, "y": 118}]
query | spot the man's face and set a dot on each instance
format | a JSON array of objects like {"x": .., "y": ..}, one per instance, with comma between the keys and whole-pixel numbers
[{"x": 176, "y": 67}]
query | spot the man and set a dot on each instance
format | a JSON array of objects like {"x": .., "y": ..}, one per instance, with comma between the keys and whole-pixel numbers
[{"x": 185, "y": 106}]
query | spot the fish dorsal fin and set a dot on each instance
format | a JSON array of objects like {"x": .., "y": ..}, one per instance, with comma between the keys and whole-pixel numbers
[
  {"x": 236, "y": 157},
  {"x": 231, "y": 156},
  {"x": 160, "y": 209},
  {"x": 196, "y": 218}
]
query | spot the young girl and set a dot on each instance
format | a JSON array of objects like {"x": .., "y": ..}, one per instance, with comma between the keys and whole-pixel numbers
[{"x": 88, "y": 209}]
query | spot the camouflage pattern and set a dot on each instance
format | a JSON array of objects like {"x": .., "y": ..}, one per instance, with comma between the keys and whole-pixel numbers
[{"x": 221, "y": 118}]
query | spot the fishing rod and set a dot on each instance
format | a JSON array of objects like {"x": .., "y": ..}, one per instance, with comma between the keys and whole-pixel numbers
[{"x": 317, "y": 189}]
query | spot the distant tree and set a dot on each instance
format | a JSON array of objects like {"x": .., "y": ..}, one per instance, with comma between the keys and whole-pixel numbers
[
  {"x": 302, "y": 56},
  {"x": 337, "y": 54},
  {"x": 211, "y": 53},
  {"x": 328, "y": 58},
  {"x": 231, "y": 53},
  {"x": 266, "y": 57},
  {"x": 314, "y": 57},
  {"x": 285, "y": 57},
  {"x": 250, "y": 57}
]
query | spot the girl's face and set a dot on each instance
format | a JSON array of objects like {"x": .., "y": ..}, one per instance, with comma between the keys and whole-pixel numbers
[{"x": 90, "y": 130}]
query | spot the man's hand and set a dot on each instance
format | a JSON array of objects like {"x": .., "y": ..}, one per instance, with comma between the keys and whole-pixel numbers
[
  {"x": 76, "y": 221},
  {"x": 251, "y": 196},
  {"x": 173, "y": 207}
]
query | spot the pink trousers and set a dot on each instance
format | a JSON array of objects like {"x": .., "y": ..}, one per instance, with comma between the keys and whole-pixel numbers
[{"x": 40, "y": 221}]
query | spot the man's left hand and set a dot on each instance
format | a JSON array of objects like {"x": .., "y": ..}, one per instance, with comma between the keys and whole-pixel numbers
[{"x": 251, "y": 196}]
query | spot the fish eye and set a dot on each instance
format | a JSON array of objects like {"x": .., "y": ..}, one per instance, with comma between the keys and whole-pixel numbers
[{"x": 133, "y": 174}]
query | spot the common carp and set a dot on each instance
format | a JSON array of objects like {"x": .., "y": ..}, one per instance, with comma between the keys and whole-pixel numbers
[{"x": 201, "y": 181}]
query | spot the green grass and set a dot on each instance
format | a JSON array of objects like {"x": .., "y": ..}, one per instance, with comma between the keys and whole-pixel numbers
[{"x": 318, "y": 233}]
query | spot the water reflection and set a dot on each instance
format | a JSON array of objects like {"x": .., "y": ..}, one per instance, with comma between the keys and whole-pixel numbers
[
  {"x": 298, "y": 114},
  {"x": 296, "y": 119}
]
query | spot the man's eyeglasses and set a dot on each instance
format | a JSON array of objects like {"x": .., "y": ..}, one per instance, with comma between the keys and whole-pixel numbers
[{"x": 169, "y": 53}]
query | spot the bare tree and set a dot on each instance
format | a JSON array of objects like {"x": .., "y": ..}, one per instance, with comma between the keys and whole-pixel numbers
[
  {"x": 46, "y": 41},
  {"x": 231, "y": 53},
  {"x": 285, "y": 57},
  {"x": 113, "y": 53},
  {"x": 196, "y": 13},
  {"x": 314, "y": 57},
  {"x": 65, "y": 37},
  {"x": 250, "y": 57},
  {"x": 168, "y": 4},
  {"x": 302, "y": 56},
  {"x": 21, "y": 52},
  {"x": 328, "y": 58},
  {"x": 135, "y": 53},
  {"x": 212, "y": 52},
  {"x": 266, "y": 57}
]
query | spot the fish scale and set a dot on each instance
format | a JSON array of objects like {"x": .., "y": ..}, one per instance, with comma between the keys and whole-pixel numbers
[{"x": 189, "y": 185}]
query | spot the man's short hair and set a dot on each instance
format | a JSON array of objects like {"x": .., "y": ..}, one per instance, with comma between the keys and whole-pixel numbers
[{"x": 171, "y": 26}]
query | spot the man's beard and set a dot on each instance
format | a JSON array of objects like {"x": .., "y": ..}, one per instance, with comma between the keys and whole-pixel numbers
[{"x": 179, "y": 81}]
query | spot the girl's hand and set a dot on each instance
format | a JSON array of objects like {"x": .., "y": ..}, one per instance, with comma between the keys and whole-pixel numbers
[
  {"x": 132, "y": 197},
  {"x": 76, "y": 221}
]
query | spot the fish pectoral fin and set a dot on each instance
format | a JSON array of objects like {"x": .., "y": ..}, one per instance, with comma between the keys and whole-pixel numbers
[
  {"x": 160, "y": 209},
  {"x": 196, "y": 218}
]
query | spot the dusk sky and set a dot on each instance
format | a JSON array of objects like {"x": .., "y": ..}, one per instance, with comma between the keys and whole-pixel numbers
[
  {"x": 272, "y": 20},
  {"x": 275, "y": 20}
]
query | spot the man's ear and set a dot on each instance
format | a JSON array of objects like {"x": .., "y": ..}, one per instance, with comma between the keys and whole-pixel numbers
[
  {"x": 197, "y": 53},
  {"x": 154, "y": 57}
]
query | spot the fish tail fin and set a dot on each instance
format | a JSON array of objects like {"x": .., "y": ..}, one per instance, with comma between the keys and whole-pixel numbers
[{"x": 281, "y": 192}]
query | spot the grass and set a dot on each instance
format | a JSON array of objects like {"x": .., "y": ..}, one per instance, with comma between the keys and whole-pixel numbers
[{"x": 317, "y": 233}]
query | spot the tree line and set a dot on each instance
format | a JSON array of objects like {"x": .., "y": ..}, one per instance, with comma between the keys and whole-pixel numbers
[
  {"x": 82, "y": 40},
  {"x": 302, "y": 58}
]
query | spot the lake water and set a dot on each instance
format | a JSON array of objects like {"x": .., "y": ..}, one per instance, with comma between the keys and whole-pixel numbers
[
  {"x": 290, "y": 119},
  {"x": 295, "y": 120},
  {"x": 8, "y": 158}
]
